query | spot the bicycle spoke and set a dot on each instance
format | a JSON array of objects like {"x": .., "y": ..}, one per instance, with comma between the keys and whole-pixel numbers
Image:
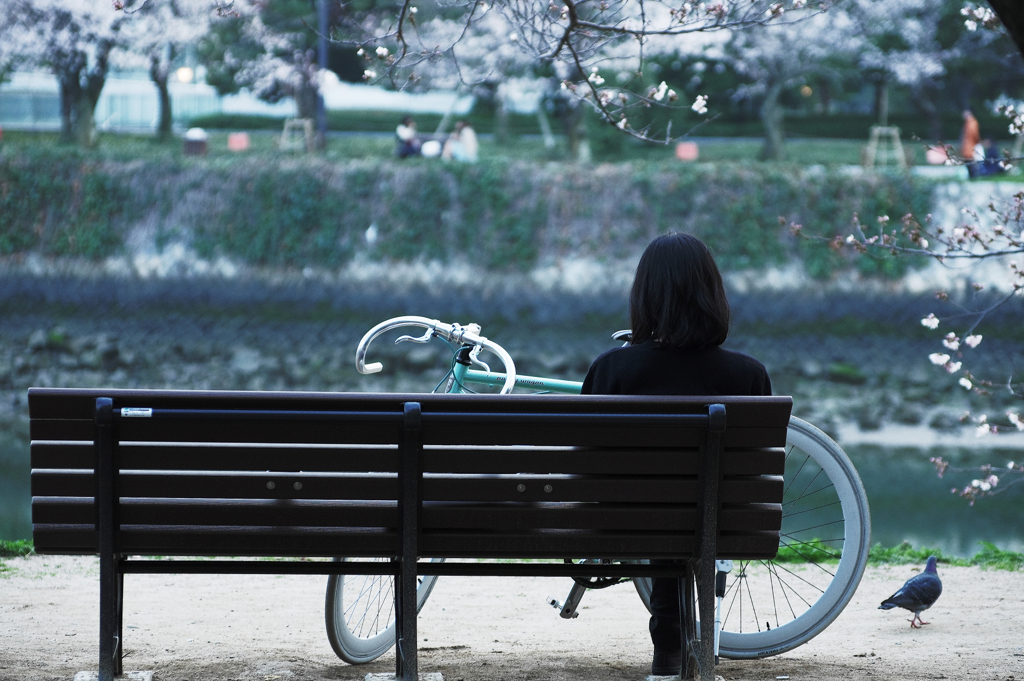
[
  {"x": 798, "y": 577},
  {"x": 795, "y": 475},
  {"x": 812, "y": 510},
  {"x": 773, "y": 570},
  {"x": 816, "y": 545},
  {"x": 803, "y": 494}
]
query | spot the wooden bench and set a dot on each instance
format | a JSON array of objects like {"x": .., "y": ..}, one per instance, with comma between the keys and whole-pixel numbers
[{"x": 132, "y": 473}]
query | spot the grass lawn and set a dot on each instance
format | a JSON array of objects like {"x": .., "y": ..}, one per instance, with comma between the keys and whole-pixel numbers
[{"x": 378, "y": 146}]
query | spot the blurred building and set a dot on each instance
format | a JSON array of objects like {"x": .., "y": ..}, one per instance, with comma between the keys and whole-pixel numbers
[{"x": 31, "y": 101}]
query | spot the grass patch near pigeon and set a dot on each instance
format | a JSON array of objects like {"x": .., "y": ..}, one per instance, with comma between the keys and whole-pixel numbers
[
  {"x": 990, "y": 557},
  {"x": 16, "y": 548}
]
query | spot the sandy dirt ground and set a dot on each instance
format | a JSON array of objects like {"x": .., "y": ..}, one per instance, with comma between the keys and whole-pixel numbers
[{"x": 199, "y": 628}]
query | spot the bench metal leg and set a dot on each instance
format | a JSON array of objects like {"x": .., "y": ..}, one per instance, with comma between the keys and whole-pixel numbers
[
  {"x": 410, "y": 476},
  {"x": 706, "y": 547},
  {"x": 111, "y": 577},
  {"x": 111, "y": 612},
  {"x": 706, "y": 600}
]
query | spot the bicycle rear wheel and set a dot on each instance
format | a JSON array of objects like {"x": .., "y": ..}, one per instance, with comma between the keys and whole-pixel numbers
[
  {"x": 776, "y": 605},
  {"x": 360, "y": 613}
]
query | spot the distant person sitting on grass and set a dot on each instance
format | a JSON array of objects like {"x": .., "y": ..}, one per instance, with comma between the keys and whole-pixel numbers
[
  {"x": 992, "y": 164},
  {"x": 462, "y": 144},
  {"x": 408, "y": 143}
]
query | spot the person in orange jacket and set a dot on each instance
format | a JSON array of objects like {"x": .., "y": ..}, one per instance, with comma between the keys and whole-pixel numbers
[{"x": 969, "y": 139}]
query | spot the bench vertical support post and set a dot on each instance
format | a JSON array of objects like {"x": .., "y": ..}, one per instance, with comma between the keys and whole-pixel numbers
[
  {"x": 410, "y": 477},
  {"x": 706, "y": 548},
  {"x": 111, "y": 579}
]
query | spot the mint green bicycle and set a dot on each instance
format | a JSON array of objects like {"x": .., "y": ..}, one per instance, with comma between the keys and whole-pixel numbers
[{"x": 767, "y": 608}]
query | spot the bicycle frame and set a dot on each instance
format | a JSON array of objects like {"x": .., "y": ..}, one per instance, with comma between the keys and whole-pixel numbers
[{"x": 462, "y": 375}]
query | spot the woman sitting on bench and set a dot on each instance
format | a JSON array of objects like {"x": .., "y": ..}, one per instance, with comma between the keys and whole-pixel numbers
[{"x": 680, "y": 317}]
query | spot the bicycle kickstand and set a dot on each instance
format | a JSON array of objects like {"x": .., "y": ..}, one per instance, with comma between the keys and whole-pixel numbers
[{"x": 569, "y": 609}]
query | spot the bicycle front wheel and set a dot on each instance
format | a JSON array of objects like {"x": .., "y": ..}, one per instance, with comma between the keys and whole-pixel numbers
[
  {"x": 772, "y": 606},
  {"x": 360, "y": 613}
]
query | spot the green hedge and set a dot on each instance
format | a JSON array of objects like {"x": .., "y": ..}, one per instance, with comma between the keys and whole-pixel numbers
[
  {"x": 371, "y": 121},
  {"x": 833, "y": 126},
  {"x": 508, "y": 215},
  {"x": 59, "y": 205}
]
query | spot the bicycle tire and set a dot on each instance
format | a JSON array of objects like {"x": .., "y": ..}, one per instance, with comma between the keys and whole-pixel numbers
[
  {"x": 813, "y": 592},
  {"x": 363, "y": 628}
]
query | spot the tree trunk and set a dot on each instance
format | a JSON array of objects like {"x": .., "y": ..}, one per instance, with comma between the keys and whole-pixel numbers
[
  {"x": 159, "y": 72},
  {"x": 68, "y": 97},
  {"x": 85, "y": 122},
  {"x": 500, "y": 121},
  {"x": 576, "y": 134},
  {"x": 772, "y": 117},
  {"x": 825, "y": 95},
  {"x": 882, "y": 100},
  {"x": 923, "y": 102},
  {"x": 305, "y": 100},
  {"x": 80, "y": 89}
]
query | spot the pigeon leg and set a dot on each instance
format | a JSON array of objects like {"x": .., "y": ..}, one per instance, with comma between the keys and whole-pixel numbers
[{"x": 914, "y": 621}]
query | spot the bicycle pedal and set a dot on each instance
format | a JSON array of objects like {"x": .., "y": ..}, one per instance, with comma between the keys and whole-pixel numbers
[{"x": 563, "y": 612}]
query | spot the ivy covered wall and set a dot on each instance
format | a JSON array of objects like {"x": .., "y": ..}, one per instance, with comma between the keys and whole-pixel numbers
[{"x": 307, "y": 212}]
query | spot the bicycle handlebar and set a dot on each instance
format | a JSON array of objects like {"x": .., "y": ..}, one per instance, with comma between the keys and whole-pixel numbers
[{"x": 455, "y": 333}]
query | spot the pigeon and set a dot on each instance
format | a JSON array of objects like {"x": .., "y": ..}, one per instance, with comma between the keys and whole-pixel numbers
[{"x": 917, "y": 595}]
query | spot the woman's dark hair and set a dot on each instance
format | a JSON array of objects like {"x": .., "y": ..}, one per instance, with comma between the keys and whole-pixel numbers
[{"x": 678, "y": 298}]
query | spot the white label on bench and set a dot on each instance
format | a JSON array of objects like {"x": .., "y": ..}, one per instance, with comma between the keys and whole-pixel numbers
[{"x": 136, "y": 412}]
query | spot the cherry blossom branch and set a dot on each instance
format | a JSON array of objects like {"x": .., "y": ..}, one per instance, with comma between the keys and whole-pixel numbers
[
  {"x": 972, "y": 240},
  {"x": 988, "y": 485}
]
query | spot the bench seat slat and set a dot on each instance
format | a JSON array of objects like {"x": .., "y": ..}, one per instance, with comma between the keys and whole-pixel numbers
[
  {"x": 436, "y": 515},
  {"x": 384, "y": 458},
  {"x": 314, "y": 542},
  {"x": 441, "y": 487}
]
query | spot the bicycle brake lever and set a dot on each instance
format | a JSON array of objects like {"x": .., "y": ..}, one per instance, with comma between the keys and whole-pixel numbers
[
  {"x": 476, "y": 360},
  {"x": 425, "y": 338}
]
